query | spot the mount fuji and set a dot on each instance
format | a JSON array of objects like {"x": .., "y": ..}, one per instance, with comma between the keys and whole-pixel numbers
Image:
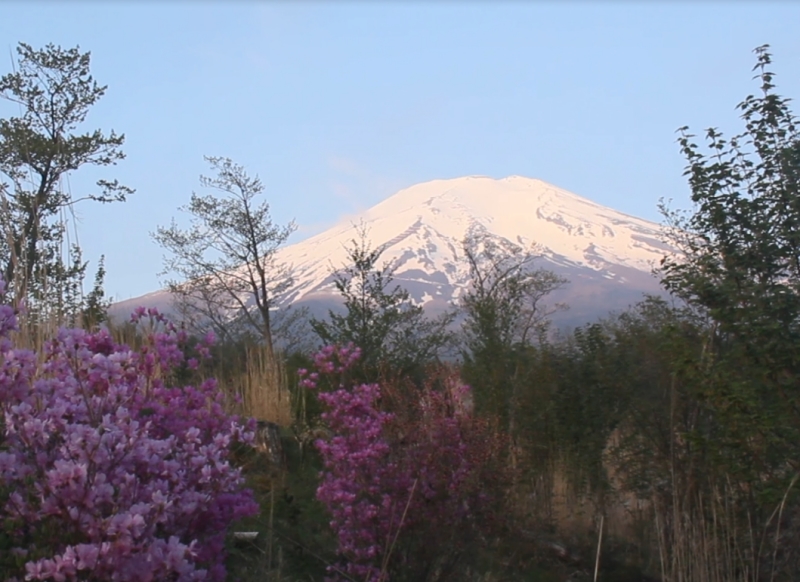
[{"x": 607, "y": 256}]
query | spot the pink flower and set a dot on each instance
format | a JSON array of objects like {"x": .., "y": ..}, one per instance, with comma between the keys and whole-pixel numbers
[{"x": 91, "y": 447}]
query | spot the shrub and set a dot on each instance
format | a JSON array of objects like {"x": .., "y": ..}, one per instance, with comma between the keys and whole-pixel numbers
[
  {"x": 417, "y": 474},
  {"x": 109, "y": 471}
]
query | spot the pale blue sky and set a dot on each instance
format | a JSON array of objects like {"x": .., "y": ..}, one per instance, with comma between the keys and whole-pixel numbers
[{"x": 338, "y": 105}]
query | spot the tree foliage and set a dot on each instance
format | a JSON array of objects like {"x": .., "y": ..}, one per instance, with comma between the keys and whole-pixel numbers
[
  {"x": 391, "y": 331},
  {"x": 54, "y": 91},
  {"x": 742, "y": 267},
  {"x": 503, "y": 316}
]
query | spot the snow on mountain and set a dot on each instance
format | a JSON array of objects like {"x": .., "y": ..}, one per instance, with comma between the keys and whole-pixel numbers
[{"x": 606, "y": 255}]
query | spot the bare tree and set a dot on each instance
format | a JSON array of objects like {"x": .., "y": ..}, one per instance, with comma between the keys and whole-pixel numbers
[{"x": 226, "y": 260}]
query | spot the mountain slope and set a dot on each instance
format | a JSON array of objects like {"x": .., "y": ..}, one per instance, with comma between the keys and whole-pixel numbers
[{"x": 608, "y": 256}]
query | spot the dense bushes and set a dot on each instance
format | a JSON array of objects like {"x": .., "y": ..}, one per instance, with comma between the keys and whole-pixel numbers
[
  {"x": 108, "y": 471},
  {"x": 403, "y": 488}
]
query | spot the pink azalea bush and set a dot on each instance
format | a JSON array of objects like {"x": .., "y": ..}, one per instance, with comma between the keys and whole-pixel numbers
[
  {"x": 361, "y": 486},
  {"x": 108, "y": 471},
  {"x": 390, "y": 478}
]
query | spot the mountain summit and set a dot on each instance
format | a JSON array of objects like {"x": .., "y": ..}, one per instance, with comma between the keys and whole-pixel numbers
[{"x": 607, "y": 256}]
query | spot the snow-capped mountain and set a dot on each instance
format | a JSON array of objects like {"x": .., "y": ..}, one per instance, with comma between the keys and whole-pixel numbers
[{"x": 607, "y": 256}]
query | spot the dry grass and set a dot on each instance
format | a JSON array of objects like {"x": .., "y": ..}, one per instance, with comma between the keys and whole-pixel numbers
[
  {"x": 258, "y": 389},
  {"x": 708, "y": 538},
  {"x": 263, "y": 388}
]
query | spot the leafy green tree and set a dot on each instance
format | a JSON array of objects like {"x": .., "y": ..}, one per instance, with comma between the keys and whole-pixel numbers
[
  {"x": 742, "y": 267},
  {"x": 629, "y": 379},
  {"x": 96, "y": 304},
  {"x": 39, "y": 148},
  {"x": 229, "y": 275},
  {"x": 504, "y": 317},
  {"x": 394, "y": 334}
]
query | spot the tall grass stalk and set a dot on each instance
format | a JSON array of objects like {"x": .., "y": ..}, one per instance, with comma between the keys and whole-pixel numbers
[
  {"x": 262, "y": 387},
  {"x": 708, "y": 540},
  {"x": 599, "y": 547}
]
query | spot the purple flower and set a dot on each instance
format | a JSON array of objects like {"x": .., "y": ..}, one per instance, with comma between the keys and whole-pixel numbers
[
  {"x": 91, "y": 449},
  {"x": 367, "y": 484}
]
